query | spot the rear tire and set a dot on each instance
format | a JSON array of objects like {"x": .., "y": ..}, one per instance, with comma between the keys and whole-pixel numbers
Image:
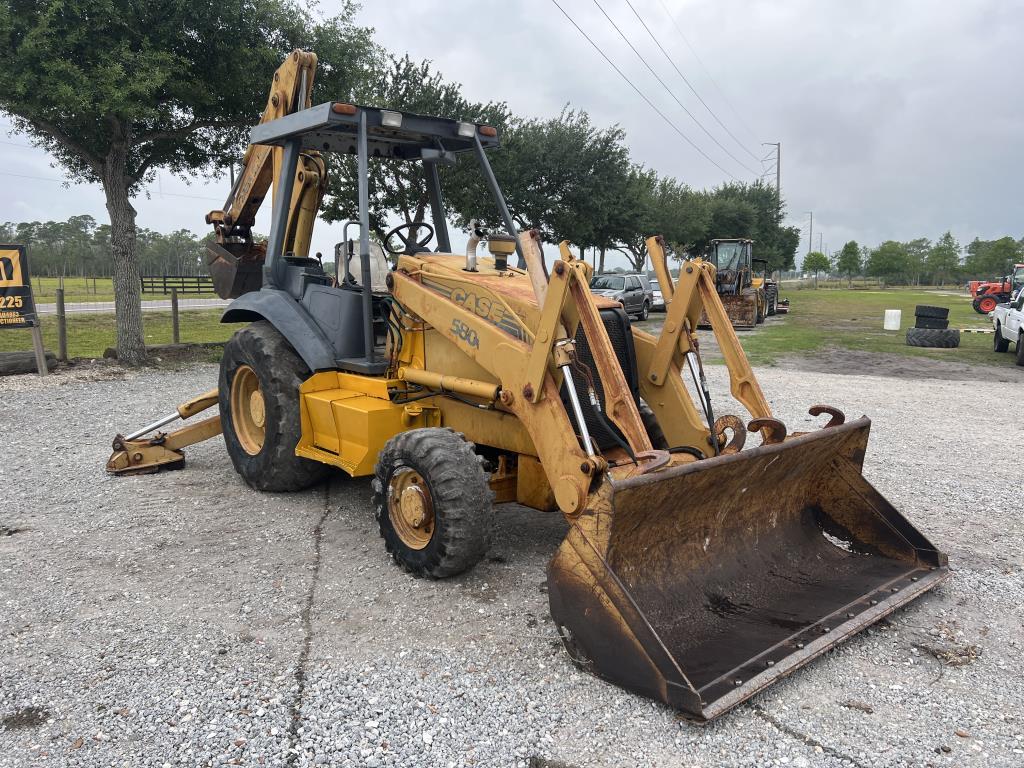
[
  {"x": 433, "y": 502},
  {"x": 1020, "y": 349},
  {"x": 772, "y": 297},
  {"x": 645, "y": 310},
  {"x": 261, "y": 370},
  {"x": 1000, "y": 344},
  {"x": 933, "y": 337},
  {"x": 654, "y": 430}
]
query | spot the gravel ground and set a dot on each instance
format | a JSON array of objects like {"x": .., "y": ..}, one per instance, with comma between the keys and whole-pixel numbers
[{"x": 184, "y": 619}]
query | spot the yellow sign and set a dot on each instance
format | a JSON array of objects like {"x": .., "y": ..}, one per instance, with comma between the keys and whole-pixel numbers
[
  {"x": 16, "y": 307},
  {"x": 10, "y": 269}
]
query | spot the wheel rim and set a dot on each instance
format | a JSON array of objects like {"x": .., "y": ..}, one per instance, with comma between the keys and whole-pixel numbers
[
  {"x": 248, "y": 410},
  {"x": 988, "y": 304},
  {"x": 410, "y": 508}
]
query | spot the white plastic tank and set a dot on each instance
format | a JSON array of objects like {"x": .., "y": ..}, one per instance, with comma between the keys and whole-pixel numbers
[{"x": 893, "y": 319}]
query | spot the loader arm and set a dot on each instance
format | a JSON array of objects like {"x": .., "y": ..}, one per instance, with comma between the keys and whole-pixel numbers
[
  {"x": 234, "y": 259},
  {"x": 696, "y": 291}
]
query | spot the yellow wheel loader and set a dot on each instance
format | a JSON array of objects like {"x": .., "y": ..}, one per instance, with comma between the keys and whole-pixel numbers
[
  {"x": 697, "y": 569},
  {"x": 742, "y": 292}
]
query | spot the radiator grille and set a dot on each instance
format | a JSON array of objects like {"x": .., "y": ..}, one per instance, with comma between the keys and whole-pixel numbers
[{"x": 616, "y": 324}]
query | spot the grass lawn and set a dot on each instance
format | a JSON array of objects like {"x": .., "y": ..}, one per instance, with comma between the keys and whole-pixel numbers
[
  {"x": 75, "y": 289},
  {"x": 90, "y": 334},
  {"x": 82, "y": 289},
  {"x": 852, "y": 319}
]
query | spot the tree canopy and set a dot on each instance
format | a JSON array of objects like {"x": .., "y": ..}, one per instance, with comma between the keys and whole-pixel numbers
[
  {"x": 848, "y": 262},
  {"x": 564, "y": 175},
  {"x": 888, "y": 261},
  {"x": 816, "y": 262}
]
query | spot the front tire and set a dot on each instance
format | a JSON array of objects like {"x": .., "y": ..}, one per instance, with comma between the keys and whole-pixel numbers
[
  {"x": 260, "y": 375},
  {"x": 1000, "y": 344},
  {"x": 654, "y": 431},
  {"x": 433, "y": 502}
]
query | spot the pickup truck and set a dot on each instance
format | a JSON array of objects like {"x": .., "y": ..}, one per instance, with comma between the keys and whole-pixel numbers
[{"x": 1008, "y": 321}]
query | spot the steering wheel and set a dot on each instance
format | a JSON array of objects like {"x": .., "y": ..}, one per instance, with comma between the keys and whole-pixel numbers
[{"x": 409, "y": 245}]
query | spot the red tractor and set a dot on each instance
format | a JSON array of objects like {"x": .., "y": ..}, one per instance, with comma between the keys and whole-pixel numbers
[{"x": 987, "y": 294}]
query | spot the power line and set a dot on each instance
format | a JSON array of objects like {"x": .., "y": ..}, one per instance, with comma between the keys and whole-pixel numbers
[
  {"x": 65, "y": 181},
  {"x": 714, "y": 82},
  {"x": 642, "y": 96},
  {"x": 689, "y": 85},
  {"x": 671, "y": 93},
  {"x": 26, "y": 176}
]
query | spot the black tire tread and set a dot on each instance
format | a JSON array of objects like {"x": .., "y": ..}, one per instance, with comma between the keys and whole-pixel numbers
[
  {"x": 654, "y": 430},
  {"x": 934, "y": 338},
  {"x": 463, "y": 500},
  {"x": 930, "y": 322},
  {"x": 281, "y": 371},
  {"x": 925, "y": 310},
  {"x": 1020, "y": 349}
]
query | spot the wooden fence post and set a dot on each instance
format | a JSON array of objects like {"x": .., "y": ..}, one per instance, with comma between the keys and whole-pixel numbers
[
  {"x": 175, "y": 331},
  {"x": 62, "y": 328}
]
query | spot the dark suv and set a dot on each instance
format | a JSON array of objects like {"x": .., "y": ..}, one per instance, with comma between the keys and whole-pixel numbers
[{"x": 634, "y": 291}]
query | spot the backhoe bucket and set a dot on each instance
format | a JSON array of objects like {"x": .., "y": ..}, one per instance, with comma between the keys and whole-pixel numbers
[
  {"x": 236, "y": 268},
  {"x": 704, "y": 583}
]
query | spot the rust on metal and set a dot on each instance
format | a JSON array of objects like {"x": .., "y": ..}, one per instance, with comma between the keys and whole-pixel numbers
[
  {"x": 837, "y": 417},
  {"x": 739, "y": 433},
  {"x": 774, "y": 431},
  {"x": 701, "y": 604}
]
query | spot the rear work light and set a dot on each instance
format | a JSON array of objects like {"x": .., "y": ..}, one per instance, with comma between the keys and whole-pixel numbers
[
  {"x": 467, "y": 130},
  {"x": 390, "y": 119}
]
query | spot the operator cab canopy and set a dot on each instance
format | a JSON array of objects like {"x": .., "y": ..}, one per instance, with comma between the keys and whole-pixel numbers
[
  {"x": 334, "y": 126},
  {"x": 390, "y": 134}
]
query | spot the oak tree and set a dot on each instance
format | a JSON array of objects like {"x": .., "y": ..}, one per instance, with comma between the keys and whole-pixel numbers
[{"x": 116, "y": 89}]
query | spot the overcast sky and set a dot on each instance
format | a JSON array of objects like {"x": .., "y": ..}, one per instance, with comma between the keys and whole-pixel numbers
[{"x": 898, "y": 119}]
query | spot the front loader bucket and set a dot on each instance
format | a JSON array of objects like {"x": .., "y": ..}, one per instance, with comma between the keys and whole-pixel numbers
[
  {"x": 704, "y": 583},
  {"x": 741, "y": 309}
]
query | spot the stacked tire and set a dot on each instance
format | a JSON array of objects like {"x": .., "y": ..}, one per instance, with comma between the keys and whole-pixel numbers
[{"x": 931, "y": 329}]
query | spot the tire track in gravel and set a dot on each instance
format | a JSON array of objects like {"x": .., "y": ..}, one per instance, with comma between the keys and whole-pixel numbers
[{"x": 306, "y": 616}]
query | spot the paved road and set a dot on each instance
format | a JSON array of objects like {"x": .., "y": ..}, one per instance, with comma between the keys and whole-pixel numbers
[{"x": 156, "y": 305}]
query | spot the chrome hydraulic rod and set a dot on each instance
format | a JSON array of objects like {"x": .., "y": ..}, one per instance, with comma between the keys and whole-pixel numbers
[
  {"x": 155, "y": 425},
  {"x": 577, "y": 410}
]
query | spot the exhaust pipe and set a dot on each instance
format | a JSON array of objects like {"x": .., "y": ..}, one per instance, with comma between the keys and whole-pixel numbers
[{"x": 476, "y": 234}]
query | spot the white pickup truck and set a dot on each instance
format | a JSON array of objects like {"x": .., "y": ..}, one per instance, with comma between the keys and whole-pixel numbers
[{"x": 1008, "y": 321}]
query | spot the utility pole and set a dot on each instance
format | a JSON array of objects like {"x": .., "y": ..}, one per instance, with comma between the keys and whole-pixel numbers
[
  {"x": 778, "y": 174},
  {"x": 821, "y": 236},
  {"x": 810, "y": 235}
]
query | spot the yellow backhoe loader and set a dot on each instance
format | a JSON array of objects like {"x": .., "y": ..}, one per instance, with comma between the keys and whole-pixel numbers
[
  {"x": 696, "y": 570},
  {"x": 741, "y": 291}
]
